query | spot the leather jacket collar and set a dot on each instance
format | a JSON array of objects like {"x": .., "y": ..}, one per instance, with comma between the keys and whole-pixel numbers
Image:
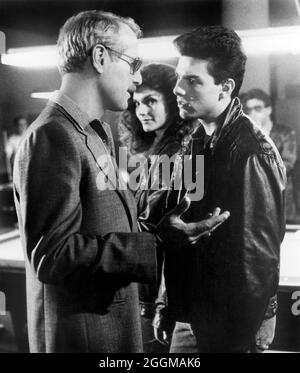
[{"x": 233, "y": 112}]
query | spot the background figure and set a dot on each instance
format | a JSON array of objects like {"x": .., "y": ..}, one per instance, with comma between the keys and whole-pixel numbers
[
  {"x": 19, "y": 127},
  {"x": 152, "y": 127},
  {"x": 257, "y": 104}
]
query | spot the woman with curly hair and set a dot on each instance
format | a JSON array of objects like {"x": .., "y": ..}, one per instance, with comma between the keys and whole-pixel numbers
[{"x": 152, "y": 127}]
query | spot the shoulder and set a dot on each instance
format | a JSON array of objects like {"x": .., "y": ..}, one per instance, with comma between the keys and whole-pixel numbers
[
  {"x": 52, "y": 128},
  {"x": 249, "y": 139},
  {"x": 53, "y": 120},
  {"x": 245, "y": 141}
]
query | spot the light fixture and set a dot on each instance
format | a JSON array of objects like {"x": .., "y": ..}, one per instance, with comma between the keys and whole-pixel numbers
[
  {"x": 256, "y": 42},
  {"x": 277, "y": 40},
  {"x": 158, "y": 48},
  {"x": 31, "y": 57},
  {"x": 41, "y": 95}
]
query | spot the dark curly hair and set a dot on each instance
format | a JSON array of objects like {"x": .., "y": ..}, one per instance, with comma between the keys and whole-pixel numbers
[
  {"x": 161, "y": 78},
  {"x": 219, "y": 45}
]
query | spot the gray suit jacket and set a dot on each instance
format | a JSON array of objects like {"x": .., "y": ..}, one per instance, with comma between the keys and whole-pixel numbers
[{"x": 83, "y": 255}]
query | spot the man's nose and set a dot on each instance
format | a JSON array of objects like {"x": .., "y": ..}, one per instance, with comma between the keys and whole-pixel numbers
[
  {"x": 178, "y": 89},
  {"x": 137, "y": 78}
]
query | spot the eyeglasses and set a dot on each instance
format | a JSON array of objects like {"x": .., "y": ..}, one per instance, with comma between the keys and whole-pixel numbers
[
  {"x": 134, "y": 63},
  {"x": 258, "y": 109}
]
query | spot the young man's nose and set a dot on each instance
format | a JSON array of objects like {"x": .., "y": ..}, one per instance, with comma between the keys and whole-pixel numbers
[{"x": 178, "y": 90}]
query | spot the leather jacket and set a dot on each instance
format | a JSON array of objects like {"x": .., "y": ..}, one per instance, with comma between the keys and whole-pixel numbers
[
  {"x": 151, "y": 203},
  {"x": 223, "y": 284}
]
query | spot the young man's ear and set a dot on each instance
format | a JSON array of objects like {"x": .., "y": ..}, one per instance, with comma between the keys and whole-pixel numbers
[
  {"x": 98, "y": 58},
  {"x": 227, "y": 87}
]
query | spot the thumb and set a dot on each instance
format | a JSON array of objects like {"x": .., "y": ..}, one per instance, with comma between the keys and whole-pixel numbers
[{"x": 182, "y": 207}]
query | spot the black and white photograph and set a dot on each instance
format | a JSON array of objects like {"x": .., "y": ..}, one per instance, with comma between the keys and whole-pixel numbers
[{"x": 149, "y": 179}]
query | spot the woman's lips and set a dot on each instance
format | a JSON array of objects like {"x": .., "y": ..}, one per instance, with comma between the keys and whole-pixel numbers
[{"x": 146, "y": 121}]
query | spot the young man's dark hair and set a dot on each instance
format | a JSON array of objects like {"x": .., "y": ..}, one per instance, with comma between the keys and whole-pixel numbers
[{"x": 222, "y": 47}]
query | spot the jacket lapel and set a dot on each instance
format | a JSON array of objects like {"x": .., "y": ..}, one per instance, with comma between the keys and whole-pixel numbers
[{"x": 106, "y": 162}]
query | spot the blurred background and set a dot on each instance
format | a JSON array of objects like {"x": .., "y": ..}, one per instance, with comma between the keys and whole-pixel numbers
[{"x": 270, "y": 30}]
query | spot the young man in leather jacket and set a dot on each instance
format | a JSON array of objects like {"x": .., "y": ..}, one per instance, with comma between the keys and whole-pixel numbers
[{"x": 222, "y": 290}]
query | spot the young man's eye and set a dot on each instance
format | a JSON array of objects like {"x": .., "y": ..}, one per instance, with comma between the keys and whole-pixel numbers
[
  {"x": 192, "y": 80},
  {"x": 151, "y": 101}
]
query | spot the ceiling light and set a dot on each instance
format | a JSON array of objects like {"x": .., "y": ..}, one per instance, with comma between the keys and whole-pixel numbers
[{"x": 256, "y": 42}]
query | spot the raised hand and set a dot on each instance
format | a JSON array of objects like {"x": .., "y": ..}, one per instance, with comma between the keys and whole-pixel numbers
[{"x": 173, "y": 229}]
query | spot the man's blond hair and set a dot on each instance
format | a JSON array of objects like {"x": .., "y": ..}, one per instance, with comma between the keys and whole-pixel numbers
[{"x": 83, "y": 31}]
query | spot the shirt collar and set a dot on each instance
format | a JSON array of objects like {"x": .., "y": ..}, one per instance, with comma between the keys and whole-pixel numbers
[{"x": 70, "y": 106}]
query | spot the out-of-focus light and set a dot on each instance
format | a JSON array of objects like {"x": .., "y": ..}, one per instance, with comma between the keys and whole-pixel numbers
[
  {"x": 42, "y": 95},
  {"x": 278, "y": 40},
  {"x": 158, "y": 48},
  {"x": 256, "y": 42},
  {"x": 31, "y": 57}
]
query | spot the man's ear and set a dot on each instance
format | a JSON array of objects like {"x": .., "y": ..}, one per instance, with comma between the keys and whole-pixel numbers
[
  {"x": 228, "y": 87},
  {"x": 98, "y": 58}
]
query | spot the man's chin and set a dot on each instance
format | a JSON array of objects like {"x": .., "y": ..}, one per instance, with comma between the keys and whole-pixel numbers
[
  {"x": 185, "y": 114},
  {"x": 119, "y": 107}
]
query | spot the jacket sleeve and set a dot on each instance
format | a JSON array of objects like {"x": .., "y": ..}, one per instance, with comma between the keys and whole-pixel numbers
[
  {"x": 258, "y": 226},
  {"x": 48, "y": 173}
]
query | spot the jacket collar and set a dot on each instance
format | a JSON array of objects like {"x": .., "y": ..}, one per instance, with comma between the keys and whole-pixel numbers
[
  {"x": 72, "y": 108},
  {"x": 226, "y": 119}
]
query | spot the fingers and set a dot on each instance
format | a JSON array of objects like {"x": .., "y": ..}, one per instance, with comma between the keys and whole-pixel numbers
[
  {"x": 182, "y": 207},
  {"x": 207, "y": 226},
  {"x": 216, "y": 211},
  {"x": 217, "y": 219},
  {"x": 172, "y": 218}
]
